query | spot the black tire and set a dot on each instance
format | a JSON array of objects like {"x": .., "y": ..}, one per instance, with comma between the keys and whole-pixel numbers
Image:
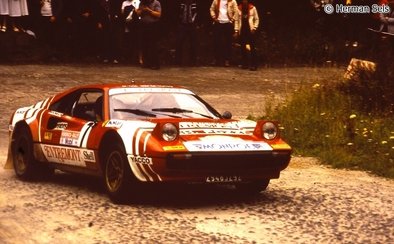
[
  {"x": 252, "y": 188},
  {"x": 117, "y": 174},
  {"x": 25, "y": 165}
]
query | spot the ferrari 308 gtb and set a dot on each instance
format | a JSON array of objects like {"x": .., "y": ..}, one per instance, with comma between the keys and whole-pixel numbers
[{"x": 128, "y": 133}]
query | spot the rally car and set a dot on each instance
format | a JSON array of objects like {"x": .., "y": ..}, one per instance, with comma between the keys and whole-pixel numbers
[{"x": 128, "y": 134}]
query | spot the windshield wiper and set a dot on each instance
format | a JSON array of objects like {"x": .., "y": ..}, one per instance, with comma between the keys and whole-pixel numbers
[
  {"x": 180, "y": 110},
  {"x": 135, "y": 111}
]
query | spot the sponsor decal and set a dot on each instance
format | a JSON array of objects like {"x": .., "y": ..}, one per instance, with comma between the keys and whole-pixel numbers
[
  {"x": 212, "y": 132},
  {"x": 195, "y": 128},
  {"x": 208, "y": 125},
  {"x": 69, "y": 138},
  {"x": 65, "y": 155},
  {"x": 223, "y": 179},
  {"x": 56, "y": 114},
  {"x": 174, "y": 148},
  {"x": 88, "y": 156},
  {"x": 141, "y": 160},
  {"x": 61, "y": 126},
  {"x": 280, "y": 146},
  {"x": 201, "y": 146},
  {"x": 48, "y": 136},
  {"x": 148, "y": 89},
  {"x": 113, "y": 124},
  {"x": 21, "y": 111}
]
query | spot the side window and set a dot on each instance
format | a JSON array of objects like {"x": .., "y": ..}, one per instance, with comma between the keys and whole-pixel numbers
[
  {"x": 83, "y": 104},
  {"x": 65, "y": 104},
  {"x": 88, "y": 106}
]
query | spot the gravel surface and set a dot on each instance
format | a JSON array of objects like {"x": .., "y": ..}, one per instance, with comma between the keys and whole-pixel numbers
[{"x": 310, "y": 203}]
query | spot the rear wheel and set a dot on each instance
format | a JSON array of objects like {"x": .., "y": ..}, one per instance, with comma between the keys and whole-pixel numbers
[
  {"x": 252, "y": 188},
  {"x": 25, "y": 165},
  {"x": 117, "y": 174}
]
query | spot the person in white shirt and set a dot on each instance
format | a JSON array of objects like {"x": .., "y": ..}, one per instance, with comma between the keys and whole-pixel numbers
[{"x": 224, "y": 13}]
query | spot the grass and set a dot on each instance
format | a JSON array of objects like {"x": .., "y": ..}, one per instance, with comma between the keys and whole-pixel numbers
[{"x": 327, "y": 122}]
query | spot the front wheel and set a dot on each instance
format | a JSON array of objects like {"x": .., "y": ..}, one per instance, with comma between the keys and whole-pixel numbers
[
  {"x": 252, "y": 188},
  {"x": 116, "y": 174}
]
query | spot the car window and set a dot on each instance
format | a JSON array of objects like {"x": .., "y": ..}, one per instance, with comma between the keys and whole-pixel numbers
[
  {"x": 89, "y": 106},
  {"x": 83, "y": 104},
  {"x": 133, "y": 105}
]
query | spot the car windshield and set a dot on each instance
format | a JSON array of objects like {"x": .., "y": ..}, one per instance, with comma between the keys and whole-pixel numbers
[{"x": 132, "y": 105}]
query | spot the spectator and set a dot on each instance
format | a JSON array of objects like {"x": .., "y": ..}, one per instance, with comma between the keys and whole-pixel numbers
[
  {"x": 223, "y": 13},
  {"x": 69, "y": 26},
  {"x": 110, "y": 27},
  {"x": 85, "y": 26},
  {"x": 17, "y": 9},
  {"x": 50, "y": 11},
  {"x": 388, "y": 19},
  {"x": 246, "y": 27},
  {"x": 4, "y": 12},
  {"x": 150, "y": 13},
  {"x": 132, "y": 32},
  {"x": 187, "y": 30}
]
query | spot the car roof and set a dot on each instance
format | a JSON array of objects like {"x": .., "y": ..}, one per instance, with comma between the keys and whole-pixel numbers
[{"x": 126, "y": 85}]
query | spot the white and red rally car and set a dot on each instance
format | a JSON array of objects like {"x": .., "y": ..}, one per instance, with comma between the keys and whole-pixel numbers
[{"x": 143, "y": 133}]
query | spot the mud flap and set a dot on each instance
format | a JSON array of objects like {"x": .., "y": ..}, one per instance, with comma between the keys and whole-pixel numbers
[{"x": 9, "y": 164}]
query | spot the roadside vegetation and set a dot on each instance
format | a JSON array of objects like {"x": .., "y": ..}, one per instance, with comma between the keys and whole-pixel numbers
[{"x": 347, "y": 125}]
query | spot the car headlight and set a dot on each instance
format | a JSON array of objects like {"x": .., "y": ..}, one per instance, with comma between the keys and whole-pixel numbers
[
  {"x": 270, "y": 131},
  {"x": 169, "y": 132}
]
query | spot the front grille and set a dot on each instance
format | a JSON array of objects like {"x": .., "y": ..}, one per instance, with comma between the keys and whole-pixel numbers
[{"x": 229, "y": 161}]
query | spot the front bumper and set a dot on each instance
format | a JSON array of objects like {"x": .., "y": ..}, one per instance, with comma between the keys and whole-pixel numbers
[{"x": 198, "y": 167}]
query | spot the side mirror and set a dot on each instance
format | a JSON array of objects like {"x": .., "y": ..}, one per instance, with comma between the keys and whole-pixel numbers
[{"x": 227, "y": 115}]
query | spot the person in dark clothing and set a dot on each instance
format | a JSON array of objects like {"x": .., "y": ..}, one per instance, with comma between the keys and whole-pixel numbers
[
  {"x": 150, "y": 13},
  {"x": 245, "y": 27},
  {"x": 187, "y": 30},
  {"x": 85, "y": 27},
  {"x": 110, "y": 27},
  {"x": 50, "y": 25}
]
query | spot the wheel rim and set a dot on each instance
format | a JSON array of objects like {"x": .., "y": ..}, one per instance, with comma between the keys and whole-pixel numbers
[
  {"x": 114, "y": 171},
  {"x": 21, "y": 155}
]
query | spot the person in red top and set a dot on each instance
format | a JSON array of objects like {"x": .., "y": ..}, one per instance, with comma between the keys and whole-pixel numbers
[{"x": 245, "y": 28}]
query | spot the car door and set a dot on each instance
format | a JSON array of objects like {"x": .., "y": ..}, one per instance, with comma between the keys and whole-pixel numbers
[{"x": 65, "y": 129}]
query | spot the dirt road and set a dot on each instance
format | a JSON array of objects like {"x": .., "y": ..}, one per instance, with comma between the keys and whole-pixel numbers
[{"x": 310, "y": 203}]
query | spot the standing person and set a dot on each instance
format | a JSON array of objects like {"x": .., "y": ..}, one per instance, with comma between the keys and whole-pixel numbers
[
  {"x": 51, "y": 11},
  {"x": 84, "y": 27},
  {"x": 246, "y": 27},
  {"x": 4, "y": 12},
  {"x": 187, "y": 30},
  {"x": 110, "y": 27},
  {"x": 132, "y": 35},
  {"x": 150, "y": 13},
  {"x": 223, "y": 13},
  {"x": 18, "y": 9}
]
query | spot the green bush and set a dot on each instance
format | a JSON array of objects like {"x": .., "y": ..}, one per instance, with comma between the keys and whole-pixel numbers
[{"x": 326, "y": 122}]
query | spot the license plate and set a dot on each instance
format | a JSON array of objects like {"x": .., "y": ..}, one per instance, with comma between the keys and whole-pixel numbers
[{"x": 223, "y": 179}]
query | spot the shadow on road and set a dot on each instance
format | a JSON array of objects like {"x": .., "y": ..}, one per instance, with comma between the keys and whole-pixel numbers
[{"x": 165, "y": 195}]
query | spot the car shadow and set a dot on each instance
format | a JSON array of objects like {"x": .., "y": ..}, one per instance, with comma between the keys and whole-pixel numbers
[{"x": 170, "y": 194}]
